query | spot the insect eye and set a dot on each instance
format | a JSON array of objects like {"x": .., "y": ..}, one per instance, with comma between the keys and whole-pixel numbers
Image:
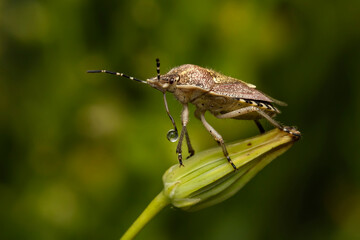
[{"x": 174, "y": 78}]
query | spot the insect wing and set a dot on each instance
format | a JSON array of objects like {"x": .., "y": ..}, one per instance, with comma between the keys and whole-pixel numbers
[{"x": 238, "y": 89}]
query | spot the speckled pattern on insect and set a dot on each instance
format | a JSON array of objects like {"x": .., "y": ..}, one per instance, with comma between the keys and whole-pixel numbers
[{"x": 223, "y": 96}]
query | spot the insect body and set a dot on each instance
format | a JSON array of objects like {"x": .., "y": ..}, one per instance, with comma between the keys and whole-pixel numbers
[{"x": 223, "y": 96}]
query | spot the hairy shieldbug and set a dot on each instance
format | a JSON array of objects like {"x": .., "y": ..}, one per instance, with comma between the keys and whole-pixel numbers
[{"x": 223, "y": 96}]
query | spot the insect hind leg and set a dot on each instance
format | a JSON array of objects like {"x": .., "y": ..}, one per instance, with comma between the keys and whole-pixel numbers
[
  {"x": 259, "y": 126},
  {"x": 250, "y": 109},
  {"x": 218, "y": 138}
]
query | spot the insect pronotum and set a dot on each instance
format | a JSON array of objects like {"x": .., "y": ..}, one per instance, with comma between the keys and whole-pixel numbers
[{"x": 223, "y": 96}]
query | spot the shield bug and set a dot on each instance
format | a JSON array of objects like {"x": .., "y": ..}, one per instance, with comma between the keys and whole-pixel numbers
[{"x": 223, "y": 96}]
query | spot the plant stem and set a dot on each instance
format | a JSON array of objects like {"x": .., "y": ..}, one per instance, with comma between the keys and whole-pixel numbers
[{"x": 158, "y": 203}]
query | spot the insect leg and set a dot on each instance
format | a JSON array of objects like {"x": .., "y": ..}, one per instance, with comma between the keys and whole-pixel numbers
[
  {"x": 179, "y": 146},
  {"x": 218, "y": 138},
  {"x": 190, "y": 148},
  {"x": 260, "y": 127},
  {"x": 184, "y": 120},
  {"x": 249, "y": 109}
]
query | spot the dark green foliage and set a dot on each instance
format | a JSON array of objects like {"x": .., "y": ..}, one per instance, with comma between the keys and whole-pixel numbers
[{"x": 82, "y": 155}]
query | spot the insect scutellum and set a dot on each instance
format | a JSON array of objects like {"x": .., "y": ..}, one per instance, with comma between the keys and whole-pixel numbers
[{"x": 223, "y": 96}]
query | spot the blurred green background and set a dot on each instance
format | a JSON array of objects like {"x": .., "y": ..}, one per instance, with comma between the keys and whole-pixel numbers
[{"x": 82, "y": 155}]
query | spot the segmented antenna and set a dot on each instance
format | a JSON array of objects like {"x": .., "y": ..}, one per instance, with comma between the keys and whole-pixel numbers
[
  {"x": 158, "y": 68},
  {"x": 168, "y": 113},
  {"x": 118, "y": 74},
  {"x": 165, "y": 102}
]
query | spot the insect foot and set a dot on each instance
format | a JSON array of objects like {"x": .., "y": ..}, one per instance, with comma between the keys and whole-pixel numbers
[
  {"x": 292, "y": 131},
  {"x": 180, "y": 160}
]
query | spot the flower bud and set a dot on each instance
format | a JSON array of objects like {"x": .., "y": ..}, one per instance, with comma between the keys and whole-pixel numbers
[{"x": 208, "y": 178}]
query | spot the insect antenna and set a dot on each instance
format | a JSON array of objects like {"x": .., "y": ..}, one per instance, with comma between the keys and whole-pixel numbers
[
  {"x": 172, "y": 134},
  {"x": 158, "y": 69},
  {"x": 118, "y": 74}
]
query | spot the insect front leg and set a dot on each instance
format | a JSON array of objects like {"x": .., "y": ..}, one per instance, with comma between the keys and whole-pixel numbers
[
  {"x": 185, "y": 120},
  {"x": 218, "y": 138},
  {"x": 249, "y": 109}
]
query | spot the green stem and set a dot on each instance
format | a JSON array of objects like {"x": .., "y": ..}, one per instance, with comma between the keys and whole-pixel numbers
[{"x": 158, "y": 203}]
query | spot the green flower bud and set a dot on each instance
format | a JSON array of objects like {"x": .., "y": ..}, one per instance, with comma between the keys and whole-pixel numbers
[{"x": 208, "y": 178}]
